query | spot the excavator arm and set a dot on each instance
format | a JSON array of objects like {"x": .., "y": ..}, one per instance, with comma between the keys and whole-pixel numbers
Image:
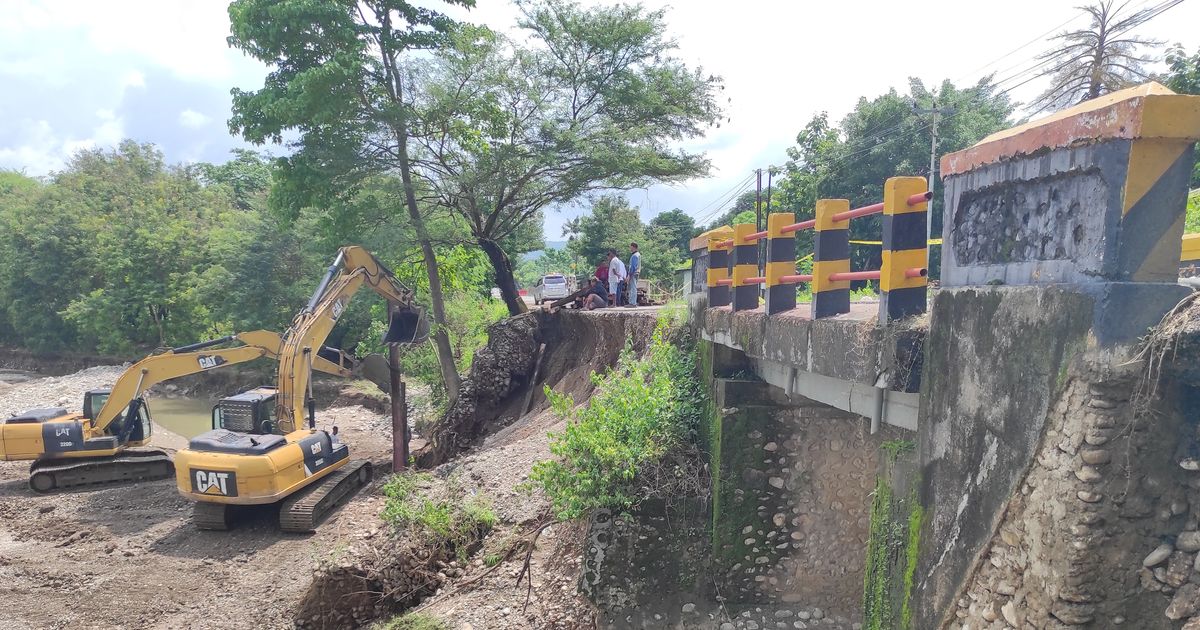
[
  {"x": 192, "y": 359},
  {"x": 351, "y": 269}
]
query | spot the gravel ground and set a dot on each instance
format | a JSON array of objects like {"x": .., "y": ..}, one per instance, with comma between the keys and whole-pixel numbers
[{"x": 128, "y": 556}]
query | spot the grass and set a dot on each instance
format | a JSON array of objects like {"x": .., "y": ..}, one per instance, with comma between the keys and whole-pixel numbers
[
  {"x": 455, "y": 520},
  {"x": 414, "y": 621}
]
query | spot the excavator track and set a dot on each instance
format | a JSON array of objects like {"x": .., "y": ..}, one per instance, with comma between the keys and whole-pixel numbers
[
  {"x": 302, "y": 512},
  {"x": 46, "y": 475},
  {"x": 208, "y": 515}
]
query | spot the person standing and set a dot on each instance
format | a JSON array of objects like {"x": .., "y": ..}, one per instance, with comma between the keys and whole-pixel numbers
[
  {"x": 602, "y": 271},
  {"x": 635, "y": 268},
  {"x": 616, "y": 275}
]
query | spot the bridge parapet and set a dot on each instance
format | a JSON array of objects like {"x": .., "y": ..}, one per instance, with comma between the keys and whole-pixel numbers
[{"x": 1095, "y": 193}]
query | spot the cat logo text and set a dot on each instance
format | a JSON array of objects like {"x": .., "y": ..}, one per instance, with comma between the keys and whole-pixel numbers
[{"x": 214, "y": 482}]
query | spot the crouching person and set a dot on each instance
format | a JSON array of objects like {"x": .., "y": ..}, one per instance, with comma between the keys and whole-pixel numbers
[{"x": 597, "y": 295}]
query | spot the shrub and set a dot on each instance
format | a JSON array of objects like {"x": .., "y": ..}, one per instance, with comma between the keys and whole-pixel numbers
[
  {"x": 642, "y": 409},
  {"x": 455, "y": 520}
]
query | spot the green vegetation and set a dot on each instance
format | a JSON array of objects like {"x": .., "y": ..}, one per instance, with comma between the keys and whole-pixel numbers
[
  {"x": 892, "y": 548},
  {"x": 454, "y": 520},
  {"x": 613, "y": 224},
  {"x": 1192, "y": 222},
  {"x": 642, "y": 409},
  {"x": 414, "y": 621},
  {"x": 880, "y": 138}
]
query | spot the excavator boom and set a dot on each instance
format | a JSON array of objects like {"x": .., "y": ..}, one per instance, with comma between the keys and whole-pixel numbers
[
  {"x": 193, "y": 359},
  {"x": 351, "y": 269}
]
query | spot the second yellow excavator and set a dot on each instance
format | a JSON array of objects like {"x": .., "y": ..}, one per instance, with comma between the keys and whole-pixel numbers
[
  {"x": 97, "y": 446},
  {"x": 260, "y": 451}
]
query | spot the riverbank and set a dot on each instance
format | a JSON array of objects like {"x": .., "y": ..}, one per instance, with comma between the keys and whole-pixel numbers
[{"x": 128, "y": 556}]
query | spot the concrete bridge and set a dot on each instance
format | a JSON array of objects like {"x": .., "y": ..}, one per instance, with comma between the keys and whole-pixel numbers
[{"x": 985, "y": 464}]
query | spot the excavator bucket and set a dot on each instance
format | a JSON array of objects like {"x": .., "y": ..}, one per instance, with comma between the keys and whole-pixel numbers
[{"x": 407, "y": 325}]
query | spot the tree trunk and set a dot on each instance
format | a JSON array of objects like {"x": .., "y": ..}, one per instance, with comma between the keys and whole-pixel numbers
[
  {"x": 441, "y": 340},
  {"x": 504, "y": 276}
]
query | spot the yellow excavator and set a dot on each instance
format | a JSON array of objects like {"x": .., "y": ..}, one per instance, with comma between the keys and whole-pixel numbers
[
  {"x": 94, "y": 447},
  {"x": 260, "y": 451}
]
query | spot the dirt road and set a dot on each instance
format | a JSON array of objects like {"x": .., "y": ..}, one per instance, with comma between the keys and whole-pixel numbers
[{"x": 128, "y": 556}]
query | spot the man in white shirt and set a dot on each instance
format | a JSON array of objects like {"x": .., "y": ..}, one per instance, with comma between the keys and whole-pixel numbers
[{"x": 616, "y": 274}]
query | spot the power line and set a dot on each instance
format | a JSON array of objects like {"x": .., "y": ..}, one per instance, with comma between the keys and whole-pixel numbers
[
  {"x": 1148, "y": 14},
  {"x": 736, "y": 189},
  {"x": 725, "y": 199}
]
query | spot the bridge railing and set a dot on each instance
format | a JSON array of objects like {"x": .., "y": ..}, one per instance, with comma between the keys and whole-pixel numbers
[{"x": 734, "y": 276}]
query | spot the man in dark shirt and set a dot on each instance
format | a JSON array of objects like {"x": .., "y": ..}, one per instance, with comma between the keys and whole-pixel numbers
[{"x": 597, "y": 295}]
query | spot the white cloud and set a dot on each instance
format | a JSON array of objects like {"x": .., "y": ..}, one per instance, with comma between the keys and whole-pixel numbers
[
  {"x": 192, "y": 119},
  {"x": 133, "y": 78},
  {"x": 41, "y": 149}
]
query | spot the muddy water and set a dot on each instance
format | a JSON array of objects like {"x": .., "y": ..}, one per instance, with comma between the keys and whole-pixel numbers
[
  {"x": 188, "y": 417},
  {"x": 12, "y": 377}
]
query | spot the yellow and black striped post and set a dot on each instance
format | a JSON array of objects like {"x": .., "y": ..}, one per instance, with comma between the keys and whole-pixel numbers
[
  {"x": 831, "y": 254},
  {"x": 781, "y": 261},
  {"x": 745, "y": 265},
  {"x": 905, "y": 250},
  {"x": 718, "y": 269}
]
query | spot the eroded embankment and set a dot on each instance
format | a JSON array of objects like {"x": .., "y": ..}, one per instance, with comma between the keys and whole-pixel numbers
[
  {"x": 524, "y": 354},
  {"x": 486, "y": 448}
]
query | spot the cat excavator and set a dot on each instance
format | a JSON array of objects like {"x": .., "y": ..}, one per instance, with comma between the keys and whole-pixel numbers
[
  {"x": 96, "y": 446},
  {"x": 264, "y": 447}
]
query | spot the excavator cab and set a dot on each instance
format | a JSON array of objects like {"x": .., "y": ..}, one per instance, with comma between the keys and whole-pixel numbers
[
  {"x": 93, "y": 402},
  {"x": 137, "y": 430}
]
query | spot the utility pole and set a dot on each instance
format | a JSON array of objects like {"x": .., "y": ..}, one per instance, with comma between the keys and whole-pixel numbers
[
  {"x": 758, "y": 220},
  {"x": 758, "y": 202},
  {"x": 399, "y": 406},
  {"x": 936, "y": 112}
]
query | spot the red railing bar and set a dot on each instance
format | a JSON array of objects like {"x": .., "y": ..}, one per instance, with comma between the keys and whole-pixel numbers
[
  {"x": 796, "y": 227},
  {"x": 795, "y": 279},
  {"x": 876, "y": 208},
  {"x": 916, "y": 272},
  {"x": 725, "y": 282},
  {"x": 854, "y": 275},
  {"x": 755, "y": 280},
  {"x": 755, "y": 236}
]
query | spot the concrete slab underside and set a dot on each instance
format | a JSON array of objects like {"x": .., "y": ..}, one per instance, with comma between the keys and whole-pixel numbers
[{"x": 839, "y": 361}]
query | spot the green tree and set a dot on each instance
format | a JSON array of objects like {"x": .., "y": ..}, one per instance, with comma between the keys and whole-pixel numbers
[
  {"x": 1096, "y": 60},
  {"x": 339, "y": 79},
  {"x": 677, "y": 226},
  {"x": 1183, "y": 76},
  {"x": 109, "y": 253},
  {"x": 248, "y": 176},
  {"x": 882, "y": 137},
  {"x": 613, "y": 224},
  {"x": 593, "y": 99}
]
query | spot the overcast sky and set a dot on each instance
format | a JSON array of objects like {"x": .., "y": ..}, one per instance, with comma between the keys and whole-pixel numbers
[{"x": 81, "y": 73}]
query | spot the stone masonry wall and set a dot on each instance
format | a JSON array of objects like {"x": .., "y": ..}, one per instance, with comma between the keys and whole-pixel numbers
[
  {"x": 792, "y": 502},
  {"x": 1105, "y": 517}
]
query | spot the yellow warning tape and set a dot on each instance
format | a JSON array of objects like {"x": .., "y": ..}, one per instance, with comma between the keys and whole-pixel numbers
[{"x": 932, "y": 241}]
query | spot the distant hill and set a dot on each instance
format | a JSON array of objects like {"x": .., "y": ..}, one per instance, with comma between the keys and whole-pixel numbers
[{"x": 549, "y": 245}]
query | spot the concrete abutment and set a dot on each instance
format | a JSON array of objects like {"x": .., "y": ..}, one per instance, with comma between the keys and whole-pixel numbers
[{"x": 1035, "y": 466}]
